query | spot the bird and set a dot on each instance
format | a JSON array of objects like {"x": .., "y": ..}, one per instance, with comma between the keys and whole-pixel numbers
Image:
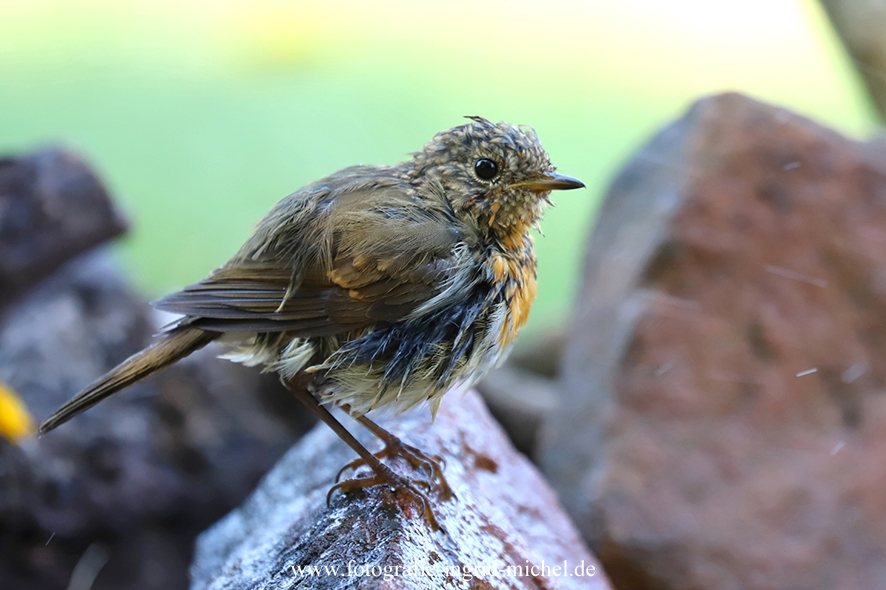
[{"x": 378, "y": 287}]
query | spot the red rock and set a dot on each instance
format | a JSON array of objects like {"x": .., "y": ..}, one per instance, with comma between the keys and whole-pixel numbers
[{"x": 723, "y": 419}]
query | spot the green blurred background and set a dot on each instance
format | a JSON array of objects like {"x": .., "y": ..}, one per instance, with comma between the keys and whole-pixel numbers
[{"x": 200, "y": 115}]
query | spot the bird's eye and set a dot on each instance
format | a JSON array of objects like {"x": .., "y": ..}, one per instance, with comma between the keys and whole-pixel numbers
[{"x": 485, "y": 169}]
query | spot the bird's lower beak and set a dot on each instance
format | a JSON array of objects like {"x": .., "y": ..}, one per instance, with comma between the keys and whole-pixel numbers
[{"x": 553, "y": 181}]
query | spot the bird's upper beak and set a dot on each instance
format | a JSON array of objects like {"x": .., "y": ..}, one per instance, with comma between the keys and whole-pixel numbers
[{"x": 552, "y": 181}]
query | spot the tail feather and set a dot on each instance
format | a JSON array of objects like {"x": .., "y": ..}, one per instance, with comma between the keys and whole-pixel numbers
[{"x": 173, "y": 346}]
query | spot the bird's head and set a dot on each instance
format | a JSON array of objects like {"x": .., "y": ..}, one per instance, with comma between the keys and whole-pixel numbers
[{"x": 499, "y": 174}]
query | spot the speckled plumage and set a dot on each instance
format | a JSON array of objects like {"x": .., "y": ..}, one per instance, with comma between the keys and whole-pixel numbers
[{"x": 386, "y": 285}]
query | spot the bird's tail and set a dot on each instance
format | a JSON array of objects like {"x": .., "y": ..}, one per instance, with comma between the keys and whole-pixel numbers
[{"x": 172, "y": 346}]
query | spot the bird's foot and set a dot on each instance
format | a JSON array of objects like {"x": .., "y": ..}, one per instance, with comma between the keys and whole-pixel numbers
[
  {"x": 394, "y": 447},
  {"x": 384, "y": 475}
]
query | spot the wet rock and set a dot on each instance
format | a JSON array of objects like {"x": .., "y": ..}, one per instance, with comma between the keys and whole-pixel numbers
[
  {"x": 52, "y": 208},
  {"x": 723, "y": 417},
  {"x": 504, "y": 515},
  {"x": 138, "y": 476}
]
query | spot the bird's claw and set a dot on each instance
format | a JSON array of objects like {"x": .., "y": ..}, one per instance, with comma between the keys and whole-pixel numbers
[
  {"x": 394, "y": 447},
  {"x": 397, "y": 483}
]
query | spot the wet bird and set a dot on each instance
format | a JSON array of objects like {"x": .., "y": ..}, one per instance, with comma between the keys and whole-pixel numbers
[{"x": 377, "y": 287}]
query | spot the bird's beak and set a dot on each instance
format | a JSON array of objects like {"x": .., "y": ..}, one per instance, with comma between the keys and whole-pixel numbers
[{"x": 552, "y": 181}]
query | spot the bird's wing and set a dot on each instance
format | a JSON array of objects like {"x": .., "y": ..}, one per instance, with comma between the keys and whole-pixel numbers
[
  {"x": 254, "y": 298},
  {"x": 380, "y": 258}
]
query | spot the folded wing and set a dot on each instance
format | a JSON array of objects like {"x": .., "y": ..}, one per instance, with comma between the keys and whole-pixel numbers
[{"x": 383, "y": 258}]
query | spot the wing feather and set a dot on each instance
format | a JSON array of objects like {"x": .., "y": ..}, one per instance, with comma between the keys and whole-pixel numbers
[{"x": 348, "y": 258}]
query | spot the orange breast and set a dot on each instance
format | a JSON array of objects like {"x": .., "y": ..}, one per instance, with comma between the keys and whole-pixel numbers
[{"x": 517, "y": 275}]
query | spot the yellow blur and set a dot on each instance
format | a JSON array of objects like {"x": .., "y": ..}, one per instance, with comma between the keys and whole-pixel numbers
[{"x": 15, "y": 420}]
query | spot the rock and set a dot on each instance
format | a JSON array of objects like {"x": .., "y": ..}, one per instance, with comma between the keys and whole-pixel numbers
[
  {"x": 542, "y": 354},
  {"x": 503, "y": 515},
  {"x": 139, "y": 475},
  {"x": 522, "y": 393},
  {"x": 52, "y": 208},
  {"x": 519, "y": 400},
  {"x": 723, "y": 419}
]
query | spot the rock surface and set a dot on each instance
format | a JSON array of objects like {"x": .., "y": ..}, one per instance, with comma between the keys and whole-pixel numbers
[
  {"x": 504, "y": 515},
  {"x": 52, "y": 208},
  {"x": 723, "y": 412}
]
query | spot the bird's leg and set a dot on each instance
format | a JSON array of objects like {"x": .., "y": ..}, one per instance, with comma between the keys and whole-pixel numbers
[
  {"x": 383, "y": 474},
  {"x": 394, "y": 447}
]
